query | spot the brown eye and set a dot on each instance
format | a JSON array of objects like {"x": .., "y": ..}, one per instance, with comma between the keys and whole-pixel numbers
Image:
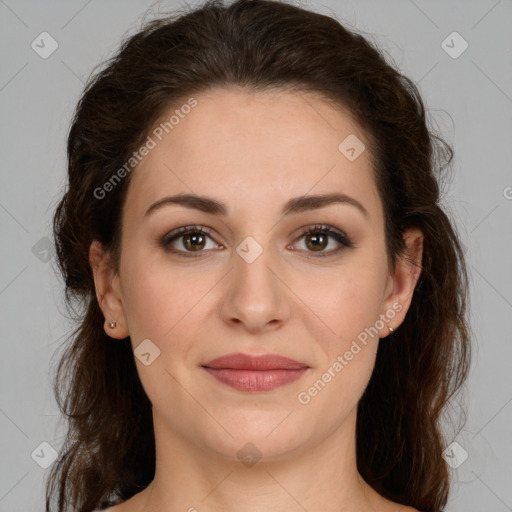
[
  {"x": 194, "y": 241},
  {"x": 188, "y": 239},
  {"x": 317, "y": 239}
]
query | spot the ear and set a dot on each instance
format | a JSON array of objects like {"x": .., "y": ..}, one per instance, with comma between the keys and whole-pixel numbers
[
  {"x": 402, "y": 282},
  {"x": 106, "y": 282}
]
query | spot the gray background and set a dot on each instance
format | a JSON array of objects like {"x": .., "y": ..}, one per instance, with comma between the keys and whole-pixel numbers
[{"x": 469, "y": 99}]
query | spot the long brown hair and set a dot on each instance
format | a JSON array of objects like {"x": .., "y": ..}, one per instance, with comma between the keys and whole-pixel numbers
[{"x": 109, "y": 451}]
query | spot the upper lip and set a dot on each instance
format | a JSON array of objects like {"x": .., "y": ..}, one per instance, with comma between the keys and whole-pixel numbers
[{"x": 241, "y": 361}]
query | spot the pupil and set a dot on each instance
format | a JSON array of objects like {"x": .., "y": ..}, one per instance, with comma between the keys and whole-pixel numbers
[
  {"x": 316, "y": 243},
  {"x": 191, "y": 240}
]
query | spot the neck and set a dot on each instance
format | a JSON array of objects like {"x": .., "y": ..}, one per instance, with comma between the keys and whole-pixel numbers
[{"x": 320, "y": 476}]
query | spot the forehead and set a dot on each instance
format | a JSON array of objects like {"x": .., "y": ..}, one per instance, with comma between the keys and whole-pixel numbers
[{"x": 255, "y": 148}]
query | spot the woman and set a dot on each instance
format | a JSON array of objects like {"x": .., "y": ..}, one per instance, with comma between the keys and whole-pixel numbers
[{"x": 272, "y": 298}]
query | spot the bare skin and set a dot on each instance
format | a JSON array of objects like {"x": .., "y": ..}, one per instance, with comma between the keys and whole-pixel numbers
[{"x": 254, "y": 152}]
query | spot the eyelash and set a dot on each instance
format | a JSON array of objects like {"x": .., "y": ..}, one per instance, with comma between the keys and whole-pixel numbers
[{"x": 340, "y": 237}]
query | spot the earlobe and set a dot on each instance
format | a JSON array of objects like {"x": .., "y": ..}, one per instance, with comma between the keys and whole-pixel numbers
[
  {"x": 406, "y": 275},
  {"x": 107, "y": 293}
]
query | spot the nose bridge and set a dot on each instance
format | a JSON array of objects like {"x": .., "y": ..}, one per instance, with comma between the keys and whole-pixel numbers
[
  {"x": 255, "y": 295},
  {"x": 252, "y": 264}
]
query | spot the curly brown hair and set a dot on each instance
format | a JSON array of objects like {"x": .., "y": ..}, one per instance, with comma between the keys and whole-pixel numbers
[{"x": 109, "y": 451}]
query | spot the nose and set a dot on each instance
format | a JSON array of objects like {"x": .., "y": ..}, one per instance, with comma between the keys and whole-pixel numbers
[{"x": 255, "y": 297}]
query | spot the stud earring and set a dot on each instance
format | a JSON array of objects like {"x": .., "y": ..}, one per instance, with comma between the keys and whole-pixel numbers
[
  {"x": 112, "y": 325},
  {"x": 390, "y": 329}
]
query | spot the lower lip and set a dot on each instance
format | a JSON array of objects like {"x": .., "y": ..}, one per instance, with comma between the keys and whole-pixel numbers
[{"x": 255, "y": 380}]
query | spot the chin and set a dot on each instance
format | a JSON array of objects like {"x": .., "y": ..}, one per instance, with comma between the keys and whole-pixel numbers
[{"x": 259, "y": 435}]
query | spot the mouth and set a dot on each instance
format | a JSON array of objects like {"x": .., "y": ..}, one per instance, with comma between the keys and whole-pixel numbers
[{"x": 255, "y": 373}]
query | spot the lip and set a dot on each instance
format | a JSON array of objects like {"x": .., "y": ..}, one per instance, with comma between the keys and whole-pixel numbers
[
  {"x": 240, "y": 361},
  {"x": 255, "y": 373}
]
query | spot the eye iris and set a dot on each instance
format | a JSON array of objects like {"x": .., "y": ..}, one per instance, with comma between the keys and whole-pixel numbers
[
  {"x": 314, "y": 238},
  {"x": 190, "y": 239}
]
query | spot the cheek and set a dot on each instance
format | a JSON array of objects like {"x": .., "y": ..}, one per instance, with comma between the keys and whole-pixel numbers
[
  {"x": 162, "y": 305},
  {"x": 350, "y": 309},
  {"x": 347, "y": 300},
  {"x": 144, "y": 302},
  {"x": 161, "y": 302},
  {"x": 359, "y": 302}
]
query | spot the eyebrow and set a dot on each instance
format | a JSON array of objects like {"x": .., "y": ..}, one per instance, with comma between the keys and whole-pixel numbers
[{"x": 295, "y": 205}]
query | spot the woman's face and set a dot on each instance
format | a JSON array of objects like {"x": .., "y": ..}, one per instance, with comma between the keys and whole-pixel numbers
[{"x": 256, "y": 283}]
